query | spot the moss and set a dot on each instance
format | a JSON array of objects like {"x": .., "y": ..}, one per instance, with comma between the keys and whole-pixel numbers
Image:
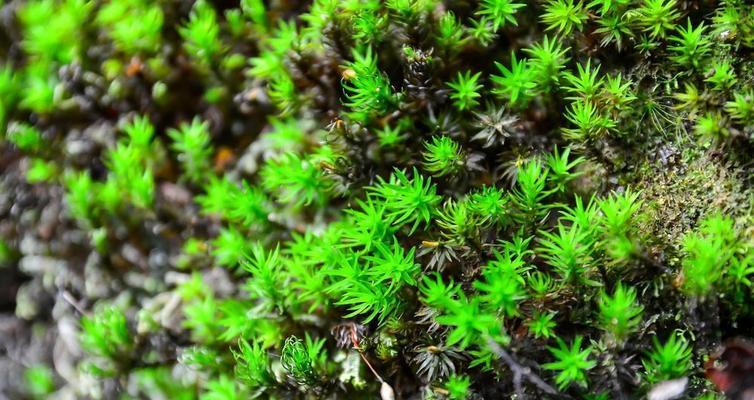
[
  {"x": 359, "y": 198},
  {"x": 681, "y": 194}
]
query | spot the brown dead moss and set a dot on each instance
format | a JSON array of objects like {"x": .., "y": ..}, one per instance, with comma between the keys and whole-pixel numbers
[{"x": 678, "y": 192}]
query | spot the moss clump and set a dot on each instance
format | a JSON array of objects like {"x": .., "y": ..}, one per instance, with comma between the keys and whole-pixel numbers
[{"x": 351, "y": 199}]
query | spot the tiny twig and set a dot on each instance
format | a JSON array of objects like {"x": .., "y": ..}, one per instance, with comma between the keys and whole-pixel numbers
[
  {"x": 70, "y": 300},
  {"x": 520, "y": 372},
  {"x": 355, "y": 341}
]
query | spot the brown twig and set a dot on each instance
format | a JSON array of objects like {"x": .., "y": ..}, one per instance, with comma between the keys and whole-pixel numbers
[
  {"x": 521, "y": 372},
  {"x": 355, "y": 341}
]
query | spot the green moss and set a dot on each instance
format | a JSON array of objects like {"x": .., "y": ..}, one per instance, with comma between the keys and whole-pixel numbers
[
  {"x": 39, "y": 381},
  {"x": 405, "y": 199}
]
